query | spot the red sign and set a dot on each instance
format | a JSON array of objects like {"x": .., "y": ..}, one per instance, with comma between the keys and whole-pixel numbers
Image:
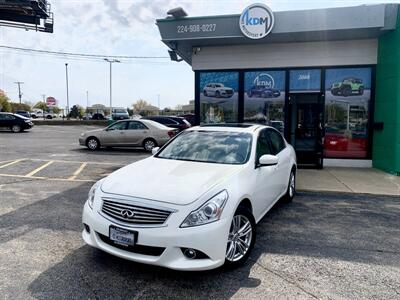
[{"x": 51, "y": 101}]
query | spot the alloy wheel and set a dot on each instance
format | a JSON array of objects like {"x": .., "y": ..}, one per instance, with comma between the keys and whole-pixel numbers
[
  {"x": 292, "y": 185},
  {"x": 92, "y": 144},
  {"x": 16, "y": 128},
  {"x": 149, "y": 145},
  {"x": 239, "y": 238}
]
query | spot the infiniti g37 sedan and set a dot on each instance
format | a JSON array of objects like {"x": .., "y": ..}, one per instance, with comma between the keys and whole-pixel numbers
[
  {"x": 144, "y": 133},
  {"x": 195, "y": 203}
]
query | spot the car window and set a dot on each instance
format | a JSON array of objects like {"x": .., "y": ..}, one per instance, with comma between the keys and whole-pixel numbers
[
  {"x": 118, "y": 126},
  {"x": 136, "y": 126},
  {"x": 277, "y": 142},
  {"x": 209, "y": 146},
  {"x": 9, "y": 117},
  {"x": 263, "y": 146}
]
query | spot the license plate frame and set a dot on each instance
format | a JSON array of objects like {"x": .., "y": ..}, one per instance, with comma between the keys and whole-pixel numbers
[{"x": 122, "y": 236}]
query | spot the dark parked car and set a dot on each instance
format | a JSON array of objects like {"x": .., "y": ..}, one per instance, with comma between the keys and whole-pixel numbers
[
  {"x": 263, "y": 92},
  {"x": 24, "y": 113},
  {"x": 14, "y": 122},
  {"x": 98, "y": 116},
  {"x": 170, "y": 121},
  {"x": 191, "y": 118}
]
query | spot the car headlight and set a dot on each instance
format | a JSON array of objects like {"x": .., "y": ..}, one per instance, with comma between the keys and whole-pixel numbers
[
  {"x": 92, "y": 194},
  {"x": 82, "y": 134},
  {"x": 209, "y": 212}
]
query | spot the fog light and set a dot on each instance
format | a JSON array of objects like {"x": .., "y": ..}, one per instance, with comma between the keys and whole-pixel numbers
[
  {"x": 87, "y": 228},
  {"x": 190, "y": 253}
]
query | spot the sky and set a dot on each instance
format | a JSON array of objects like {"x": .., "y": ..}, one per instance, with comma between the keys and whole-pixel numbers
[{"x": 110, "y": 27}]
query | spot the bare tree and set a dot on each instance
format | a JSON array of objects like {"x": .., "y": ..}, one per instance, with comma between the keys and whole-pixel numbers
[{"x": 139, "y": 105}]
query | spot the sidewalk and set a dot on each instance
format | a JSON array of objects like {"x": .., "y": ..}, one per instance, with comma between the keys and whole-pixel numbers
[{"x": 348, "y": 180}]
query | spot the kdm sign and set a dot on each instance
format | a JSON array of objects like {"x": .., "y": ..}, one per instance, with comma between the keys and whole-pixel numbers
[{"x": 256, "y": 21}]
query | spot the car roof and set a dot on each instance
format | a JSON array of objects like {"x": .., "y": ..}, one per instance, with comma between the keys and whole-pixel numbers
[{"x": 230, "y": 127}]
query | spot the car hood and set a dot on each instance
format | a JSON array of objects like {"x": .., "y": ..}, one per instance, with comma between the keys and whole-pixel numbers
[{"x": 165, "y": 180}]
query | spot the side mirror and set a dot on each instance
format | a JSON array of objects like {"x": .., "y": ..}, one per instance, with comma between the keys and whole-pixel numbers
[
  {"x": 155, "y": 150},
  {"x": 268, "y": 160}
]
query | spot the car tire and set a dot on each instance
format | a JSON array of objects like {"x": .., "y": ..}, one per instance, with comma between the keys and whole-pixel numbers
[
  {"x": 346, "y": 91},
  {"x": 291, "y": 188},
  {"x": 93, "y": 143},
  {"x": 16, "y": 128},
  {"x": 217, "y": 94},
  {"x": 205, "y": 93},
  {"x": 361, "y": 91},
  {"x": 243, "y": 221},
  {"x": 149, "y": 144}
]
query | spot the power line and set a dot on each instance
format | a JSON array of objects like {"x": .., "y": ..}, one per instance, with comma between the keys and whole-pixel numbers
[{"x": 81, "y": 55}]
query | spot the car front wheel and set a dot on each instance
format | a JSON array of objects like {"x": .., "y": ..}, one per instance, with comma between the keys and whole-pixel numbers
[
  {"x": 241, "y": 238},
  {"x": 16, "y": 128},
  {"x": 93, "y": 143},
  {"x": 291, "y": 189}
]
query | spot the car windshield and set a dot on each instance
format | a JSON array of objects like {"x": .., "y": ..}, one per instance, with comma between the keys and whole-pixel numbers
[
  {"x": 209, "y": 146},
  {"x": 120, "y": 111}
]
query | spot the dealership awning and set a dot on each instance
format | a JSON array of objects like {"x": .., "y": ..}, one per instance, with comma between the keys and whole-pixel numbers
[{"x": 345, "y": 23}]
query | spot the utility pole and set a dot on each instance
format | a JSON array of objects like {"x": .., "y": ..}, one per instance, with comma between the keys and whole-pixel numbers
[
  {"x": 87, "y": 101},
  {"x": 19, "y": 90},
  {"x": 111, "y": 61},
  {"x": 66, "y": 77},
  {"x": 158, "y": 99}
]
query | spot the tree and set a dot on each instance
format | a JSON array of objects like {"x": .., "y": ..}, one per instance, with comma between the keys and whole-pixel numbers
[
  {"x": 19, "y": 106},
  {"x": 77, "y": 111},
  {"x": 139, "y": 105},
  {"x": 5, "y": 103},
  {"x": 41, "y": 105},
  {"x": 56, "y": 110}
]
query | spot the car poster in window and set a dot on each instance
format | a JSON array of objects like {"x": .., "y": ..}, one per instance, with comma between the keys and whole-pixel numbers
[
  {"x": 305, "y": 81},
  {"x": 264, "y": 97},
  {"x": 347, "y": 98},
  {"x": 219, "y": 97}
]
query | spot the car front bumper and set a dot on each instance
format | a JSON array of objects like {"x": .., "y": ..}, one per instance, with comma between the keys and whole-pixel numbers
[{"x": 210, "y": 239}]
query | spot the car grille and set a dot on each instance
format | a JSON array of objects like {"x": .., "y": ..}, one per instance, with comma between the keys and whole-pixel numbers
[{"x": 134, "y": 214}]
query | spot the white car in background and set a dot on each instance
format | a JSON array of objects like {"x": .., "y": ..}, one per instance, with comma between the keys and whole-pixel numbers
[
  {"x": 195, "y": 203},
  {"x": 217, "y": 90}
]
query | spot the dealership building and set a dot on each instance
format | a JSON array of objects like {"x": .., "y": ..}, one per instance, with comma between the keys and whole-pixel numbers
[{"x": 328, "y": 79}]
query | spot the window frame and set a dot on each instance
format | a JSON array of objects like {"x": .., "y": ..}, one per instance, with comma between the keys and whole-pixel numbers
[{"x": 269, "y": 130}]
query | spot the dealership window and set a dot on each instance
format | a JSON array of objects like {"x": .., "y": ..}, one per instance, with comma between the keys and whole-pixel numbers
[
  {"x": 264, "y": 97},
  {"x": 219, "y": 97},
  {"x": 347, "y": 100}
]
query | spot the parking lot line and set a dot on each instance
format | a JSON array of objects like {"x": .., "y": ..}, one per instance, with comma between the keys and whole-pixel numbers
[
  {"x": 12, "y": 163},
  {"x": 39, "y": 169},
  {"x": 78, "y": 171},
  {"x": 79, "y": 162},
  {"x": 47, "y": 178}
]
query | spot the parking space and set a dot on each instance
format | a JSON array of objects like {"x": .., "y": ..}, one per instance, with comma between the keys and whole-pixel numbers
[{"x": 321, "y": 246}]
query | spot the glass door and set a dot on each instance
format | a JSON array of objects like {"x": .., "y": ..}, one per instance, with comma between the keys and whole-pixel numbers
[{"x": 306, "y": 128}]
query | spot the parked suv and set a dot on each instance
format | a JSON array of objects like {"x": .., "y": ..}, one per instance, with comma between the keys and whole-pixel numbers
[
  {"x": 217, "y": 90},
  {"x": 263, "y": 92},
  {"x": 170, "y": 121},
  {"x": 120, "y": 114},
  {"x": 348, "y": 87},
  {"x": 23, "y": 113},
  {"x": 14, "y": 122}
]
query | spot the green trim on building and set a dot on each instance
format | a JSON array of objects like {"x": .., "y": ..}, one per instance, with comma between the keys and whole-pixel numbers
[{"x": 386, "y": 145}]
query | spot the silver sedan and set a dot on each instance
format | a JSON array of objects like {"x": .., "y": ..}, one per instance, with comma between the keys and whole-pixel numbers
[{"x": 128, "y": 133}]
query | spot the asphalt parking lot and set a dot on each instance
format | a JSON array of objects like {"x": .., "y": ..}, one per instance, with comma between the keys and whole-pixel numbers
[{"x": 328, "y": 246}]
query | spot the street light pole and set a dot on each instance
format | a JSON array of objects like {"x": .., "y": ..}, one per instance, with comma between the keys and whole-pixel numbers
[
  {"x": 19, "y": 90},
  {"x": 111, "y": 61},
  {"x": 66, "y": 78},
  {"x": 87, "y": 101}
]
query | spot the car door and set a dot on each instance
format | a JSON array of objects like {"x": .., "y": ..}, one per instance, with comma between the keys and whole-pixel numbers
[
  {"x": 114, "y": 135},
  {"x": 266, "y": 182},
  {"x": 135, "y": 133},
  {"x": 282, "y": 169}
]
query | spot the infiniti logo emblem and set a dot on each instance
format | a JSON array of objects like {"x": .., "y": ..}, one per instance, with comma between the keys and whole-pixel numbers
[{"x": 127, "y": 213}]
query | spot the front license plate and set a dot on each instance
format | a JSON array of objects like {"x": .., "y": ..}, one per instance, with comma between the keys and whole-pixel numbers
[{"x": 122, "y": 236}]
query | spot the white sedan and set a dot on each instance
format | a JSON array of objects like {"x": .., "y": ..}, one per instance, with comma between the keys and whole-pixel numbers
[{"x": 195, "y": 203}]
